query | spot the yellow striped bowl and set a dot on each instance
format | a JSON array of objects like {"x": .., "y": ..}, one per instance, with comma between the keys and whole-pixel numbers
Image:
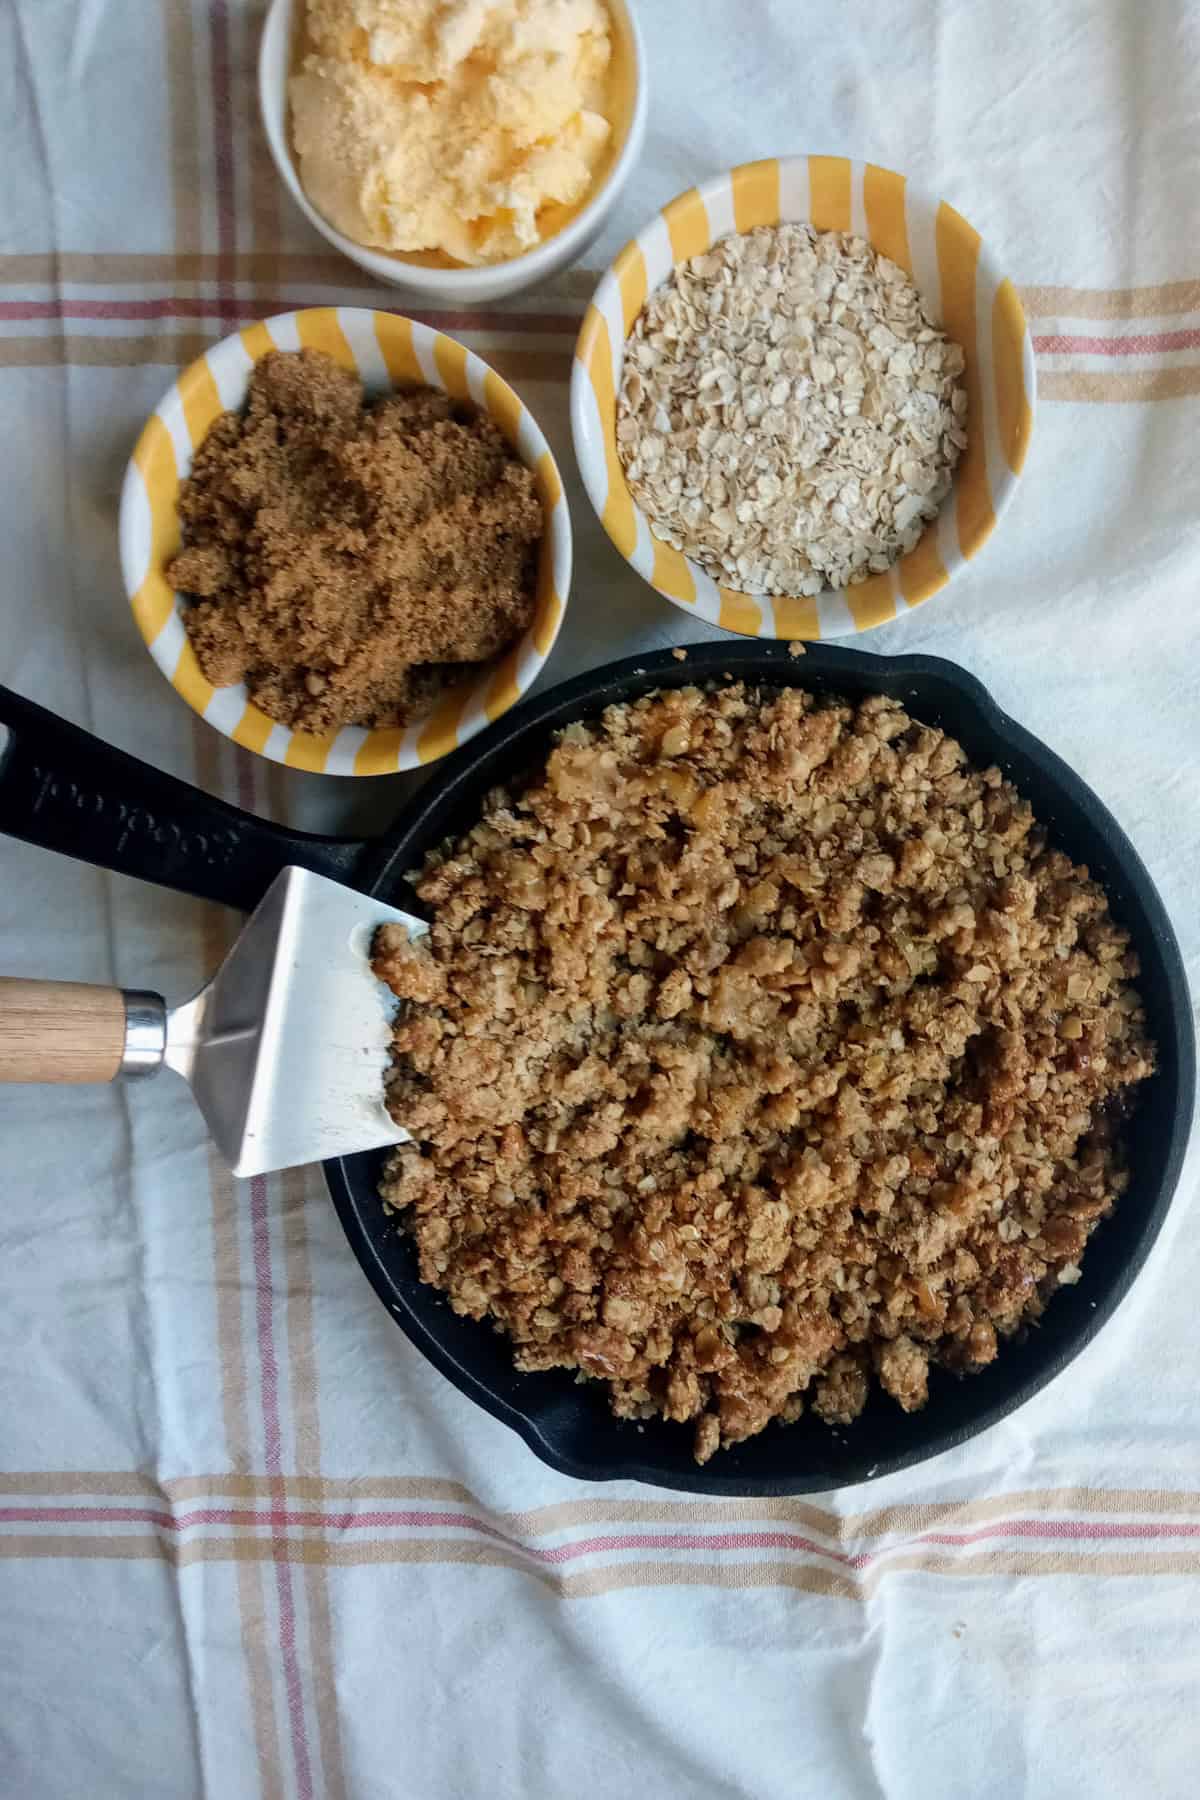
[
  {"x": 954, "y": 273},
  {"x": 386, "y": 351}
]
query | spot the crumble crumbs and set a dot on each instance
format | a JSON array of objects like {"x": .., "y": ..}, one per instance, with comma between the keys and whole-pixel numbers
[{"x": 760, "y": 1050}]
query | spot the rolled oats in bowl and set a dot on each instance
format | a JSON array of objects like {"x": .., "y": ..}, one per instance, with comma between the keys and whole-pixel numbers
[{"x": 789, "y": 414}]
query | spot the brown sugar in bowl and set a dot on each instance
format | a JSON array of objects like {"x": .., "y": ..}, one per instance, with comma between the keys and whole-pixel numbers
[{"x": 388, "y": 352}]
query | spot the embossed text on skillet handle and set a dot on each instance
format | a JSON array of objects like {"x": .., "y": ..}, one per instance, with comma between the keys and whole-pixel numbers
[{"x": 66, "y": 790}]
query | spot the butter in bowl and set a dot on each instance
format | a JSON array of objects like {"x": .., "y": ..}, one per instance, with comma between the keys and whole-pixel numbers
[{"x": 463, "y": 151}]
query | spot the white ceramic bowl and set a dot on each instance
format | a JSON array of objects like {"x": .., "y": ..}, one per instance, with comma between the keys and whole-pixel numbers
[
  {"x": 386, "y": 351},
  {"x": 460, "y": 286},
  {"x": 954, "y": 271}
]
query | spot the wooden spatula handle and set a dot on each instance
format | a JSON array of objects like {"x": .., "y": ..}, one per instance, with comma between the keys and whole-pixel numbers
[{"x": 60, "y": 1031}]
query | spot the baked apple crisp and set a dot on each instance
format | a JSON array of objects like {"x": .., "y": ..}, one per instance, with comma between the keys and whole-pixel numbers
[{"x": 760, "y": 1049}]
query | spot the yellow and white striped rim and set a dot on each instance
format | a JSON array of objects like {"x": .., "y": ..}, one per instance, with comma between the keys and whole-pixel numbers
[
  {"x": 386, "y": 351},
  {"x": 950, "y": 266}
]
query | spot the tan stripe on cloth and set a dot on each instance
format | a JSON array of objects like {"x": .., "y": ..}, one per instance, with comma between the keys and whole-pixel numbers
[
  {"x": 300, "y": 1191},
  {"x": 183, "y": 113},
  {"x": 1168, "y": 297},
  {"x": 240, "y": 1486},
  {"x": 261, "y": 1646},
  {"x": 847, "y": 1584},
  {"x": 261, "y": 267},
  {"x": 315, "y": 1491},
  {"x": 300, "y": 1188},
  {"x": 268, "y": 266},
  {"x": 115, "y": 268},
  {"x": 851, "y": 1527},
  {"x": 176, "y": 349},
  {"x": 77, "y": 351},
  {"x": 231, "y": 41},
  {"x": 226, "y": 1201},
  {"x": 186, "y": 187},
  {"x": 266, "y": 191},
  {"x": 1117, "y": 385},
  {"x": 173, "y": 349}
]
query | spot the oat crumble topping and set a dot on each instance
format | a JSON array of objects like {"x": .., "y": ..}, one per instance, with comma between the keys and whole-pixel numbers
[{"x": 760, "y": 1049}]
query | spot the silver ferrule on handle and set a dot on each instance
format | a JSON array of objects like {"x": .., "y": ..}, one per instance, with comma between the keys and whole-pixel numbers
[{"x": 145, "y": 1032}]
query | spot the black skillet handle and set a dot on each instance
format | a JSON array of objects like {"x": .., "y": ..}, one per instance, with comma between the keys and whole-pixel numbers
[{"x": 68, "y": 791}]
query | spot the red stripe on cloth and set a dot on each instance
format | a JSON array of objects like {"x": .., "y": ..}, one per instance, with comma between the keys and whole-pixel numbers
[
  {"x": 222, "y": 107},
  {"x": 1148, "y": 344},
  {"x": 264, "y": 1297},
  {"x": 279, "y": 1519},
  {"x": 374, "y": 1521},
  {"x": 264, "y": 1308}
]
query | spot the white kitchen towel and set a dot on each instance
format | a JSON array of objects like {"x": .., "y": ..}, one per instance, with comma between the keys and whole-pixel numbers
[{"x": 250, "y": 1542}]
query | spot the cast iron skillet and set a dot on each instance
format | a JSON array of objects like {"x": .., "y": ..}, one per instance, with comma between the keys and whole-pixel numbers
[{"x": 65, "y": 790}]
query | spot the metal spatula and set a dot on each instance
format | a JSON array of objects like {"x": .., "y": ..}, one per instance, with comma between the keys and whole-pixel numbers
[{"x": 285, "y": 1049}]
